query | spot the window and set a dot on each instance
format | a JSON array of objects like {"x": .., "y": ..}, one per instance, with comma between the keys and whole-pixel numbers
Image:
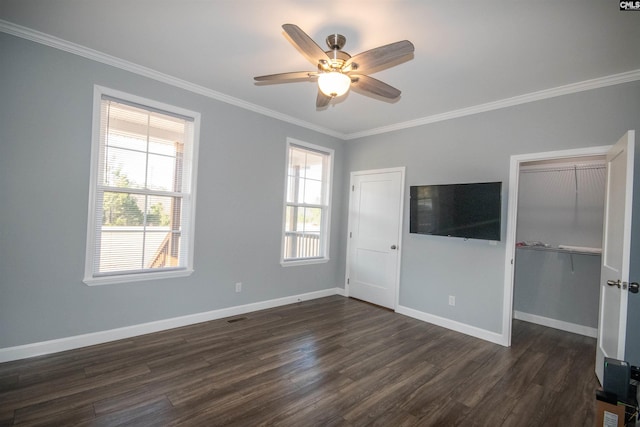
[
  {"x": 306, "y": 211},
  {"x": 142, "y": 194}
]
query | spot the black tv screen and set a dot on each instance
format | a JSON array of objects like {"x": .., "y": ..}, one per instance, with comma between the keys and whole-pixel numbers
[{"x": 471, "y": 211}]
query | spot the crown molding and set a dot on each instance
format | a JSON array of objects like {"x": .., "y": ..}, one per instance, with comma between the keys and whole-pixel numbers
[
  {"x": 94, "y": 55},
  {"x": 76, "y": 49},
  {"x": 585, "y": 85}
]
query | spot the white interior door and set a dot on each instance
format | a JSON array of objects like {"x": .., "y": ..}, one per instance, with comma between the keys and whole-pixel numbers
[
  {"x": 616, "y": 242},
  {"x": 375, "y": 227}
]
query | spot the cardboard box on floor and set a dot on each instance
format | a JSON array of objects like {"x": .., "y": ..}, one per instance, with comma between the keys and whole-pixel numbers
[{"x": 609, "y": 414}]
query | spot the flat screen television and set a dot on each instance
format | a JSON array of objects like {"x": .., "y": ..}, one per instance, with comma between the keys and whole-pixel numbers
[{"x": 471, "y": 211}]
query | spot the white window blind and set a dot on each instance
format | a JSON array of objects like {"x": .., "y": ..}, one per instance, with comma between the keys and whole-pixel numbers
[
  {"x": 141, "y": 206},
  {"x": 307, "y": 195}
]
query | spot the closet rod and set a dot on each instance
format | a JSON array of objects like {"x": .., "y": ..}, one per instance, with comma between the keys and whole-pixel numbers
[{"x": 562, "y": 169}]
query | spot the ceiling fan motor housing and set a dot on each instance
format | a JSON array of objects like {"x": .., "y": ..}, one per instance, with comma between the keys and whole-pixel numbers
[
  {"x": 337, "y": 57},
  {"x": 336, "y": 41}
]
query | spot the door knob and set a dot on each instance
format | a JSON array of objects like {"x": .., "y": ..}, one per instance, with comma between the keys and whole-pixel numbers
[
  {"x": 633, "y": 287},
  {"x": 614, "y": 283},
  {"x": 394, "y": 247}
]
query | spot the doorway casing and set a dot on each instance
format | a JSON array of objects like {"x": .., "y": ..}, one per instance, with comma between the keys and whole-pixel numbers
[{"x": 512, "y": 217}]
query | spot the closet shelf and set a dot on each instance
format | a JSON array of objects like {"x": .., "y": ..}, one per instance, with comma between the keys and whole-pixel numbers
[{"x": 568, "y": 250}]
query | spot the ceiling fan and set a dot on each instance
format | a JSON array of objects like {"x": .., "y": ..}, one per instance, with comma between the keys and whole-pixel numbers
[{"x": 337, "y": 70}]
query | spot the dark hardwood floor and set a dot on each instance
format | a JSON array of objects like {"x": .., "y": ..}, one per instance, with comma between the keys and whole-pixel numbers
[{"x": 331, "y": 361}]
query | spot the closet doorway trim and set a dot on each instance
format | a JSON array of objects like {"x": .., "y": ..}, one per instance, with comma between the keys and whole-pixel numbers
[{"x": 512, "y": 216}]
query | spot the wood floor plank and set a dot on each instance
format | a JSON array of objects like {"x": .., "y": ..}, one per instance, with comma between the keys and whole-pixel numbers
[
  {"x": 75, "y": 396},
  {"x": 331, "y": 361},
  {"x": 446, "y": 412},
  {"x": 52, "y": 361},
  {"x": 131, "y": 357},
  {"x": 531, "y": 408},
  {"x": 155, "y": 412},
  {"x": 386, "y": 399}
]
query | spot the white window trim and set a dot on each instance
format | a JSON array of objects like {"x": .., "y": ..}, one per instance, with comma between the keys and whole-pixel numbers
[
  {"x": 89, "y": 278},
  {"x": 327, "y": 220}
]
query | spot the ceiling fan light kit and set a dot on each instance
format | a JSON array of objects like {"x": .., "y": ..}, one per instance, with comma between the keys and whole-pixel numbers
[
  {"x": 337, "y": 70},
  {"x": 334, "y": 83}
]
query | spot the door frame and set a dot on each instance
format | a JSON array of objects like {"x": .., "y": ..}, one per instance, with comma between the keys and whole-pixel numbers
[
  {"x": 402, "y": 171},
  {"x": 512, "y": 220}
]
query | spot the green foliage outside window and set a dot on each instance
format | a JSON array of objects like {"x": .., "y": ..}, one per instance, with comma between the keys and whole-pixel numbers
[{"x": 121, "y": 209}]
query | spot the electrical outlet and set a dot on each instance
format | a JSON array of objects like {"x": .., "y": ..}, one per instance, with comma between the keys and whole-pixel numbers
[
  {"x": 452, "y": 300},
  {"x": 239, "y": 287}
]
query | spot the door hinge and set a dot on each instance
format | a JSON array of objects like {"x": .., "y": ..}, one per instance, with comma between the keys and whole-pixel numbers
[
  {"x": 353, "y": 188},
  {"x": 350, "y": 235},
  {"x": 347, "y": 281}
]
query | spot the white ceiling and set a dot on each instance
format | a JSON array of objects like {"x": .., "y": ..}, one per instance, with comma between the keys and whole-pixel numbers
[{"x": 467, "y": 53}]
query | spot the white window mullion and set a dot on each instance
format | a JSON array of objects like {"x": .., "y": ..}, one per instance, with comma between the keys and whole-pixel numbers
[{"x": 141, "y": 191}]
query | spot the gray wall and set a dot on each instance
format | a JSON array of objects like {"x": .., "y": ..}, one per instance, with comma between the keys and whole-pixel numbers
[
  {"x": 552, "y": 285},
  {"x": 478, "y": 148},
  {"x": 45, "y": 134}
]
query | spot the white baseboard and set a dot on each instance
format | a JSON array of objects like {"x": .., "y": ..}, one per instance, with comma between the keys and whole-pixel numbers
[
  {"x": 70, "y": 343},
  {"x": 556, "y": 324},
  {"x": 454, "y": 325}
]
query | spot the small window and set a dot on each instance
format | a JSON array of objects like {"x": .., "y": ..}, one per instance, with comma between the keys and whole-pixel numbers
[
  {"x": 306, "y": 211},
  {"x": 142, "y": 195}
]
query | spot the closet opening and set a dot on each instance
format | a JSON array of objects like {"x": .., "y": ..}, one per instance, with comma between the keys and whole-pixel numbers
[
  {"x": 553, "y": 239},
  {"x": 558, "y": 242}
]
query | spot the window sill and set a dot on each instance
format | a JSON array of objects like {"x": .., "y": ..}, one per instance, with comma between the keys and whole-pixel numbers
[
  {"x": 294, "y": 263},
  {"x": 128, "y": 278}
]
